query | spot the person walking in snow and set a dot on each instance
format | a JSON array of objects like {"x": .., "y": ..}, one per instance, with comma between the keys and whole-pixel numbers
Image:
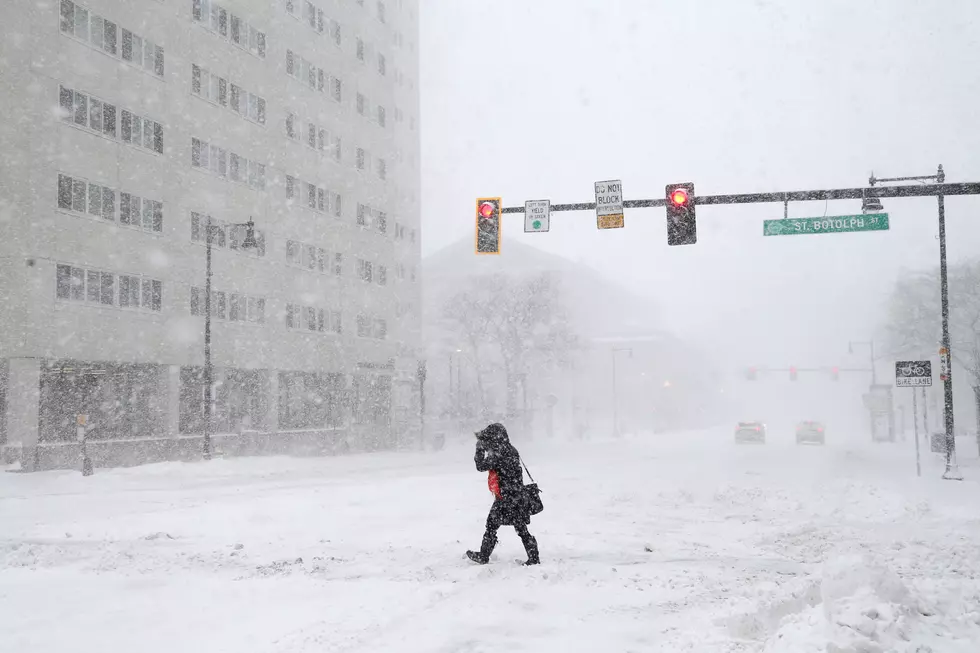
[{"x": 497, "y": 456}]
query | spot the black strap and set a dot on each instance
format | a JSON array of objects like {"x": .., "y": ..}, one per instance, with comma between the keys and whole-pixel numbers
[{"x": 526, "y": 469}]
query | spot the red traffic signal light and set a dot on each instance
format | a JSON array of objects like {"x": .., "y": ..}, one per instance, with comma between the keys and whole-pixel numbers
[
  {"x": 792, "y": 373},
  {"x": 751, "y": 374},
  {"x": 835, "y": 373},
  {"x": 682, "y": 227},
  {"x": 488, "y": 225}
]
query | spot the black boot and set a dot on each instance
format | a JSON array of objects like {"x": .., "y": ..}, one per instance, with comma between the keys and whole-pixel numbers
[
  {"x": 477, "y": 558},
  {"x": 483, "y": 556},
  {"x": 531, "y": 547}
]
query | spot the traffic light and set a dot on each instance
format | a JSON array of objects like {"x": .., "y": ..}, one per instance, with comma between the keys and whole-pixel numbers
[
  {"x": 750, "y": 374},
  {"x": 792, "y": 373},
  {"x": 835, "y": 373},
  {"x": 488, "y": 225},
  {"x": 682, "y": 228}
]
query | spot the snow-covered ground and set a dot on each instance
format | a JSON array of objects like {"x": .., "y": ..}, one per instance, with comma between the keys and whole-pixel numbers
[{"x": 680, "y": 542}]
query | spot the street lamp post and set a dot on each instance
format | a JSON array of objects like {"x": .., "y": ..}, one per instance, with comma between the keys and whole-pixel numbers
[
  {"x": 247, "y": 243},
  {"x": 952, "y": 471},
  {"x": 615, "y": 391}
]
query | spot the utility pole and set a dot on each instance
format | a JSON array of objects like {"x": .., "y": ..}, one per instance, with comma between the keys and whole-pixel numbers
[
  {"x": 249, "y": 242},
  {"x": 952, "y": 471}
]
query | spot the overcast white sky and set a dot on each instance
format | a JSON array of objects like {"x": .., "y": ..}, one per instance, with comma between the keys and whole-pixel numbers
[{"x": 540, "y": 99}]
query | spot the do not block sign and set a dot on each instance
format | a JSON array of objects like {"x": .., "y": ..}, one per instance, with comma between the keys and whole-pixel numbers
[{"x": 609, "y": 204}]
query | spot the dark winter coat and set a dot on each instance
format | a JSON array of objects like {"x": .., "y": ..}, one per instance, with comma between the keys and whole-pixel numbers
[{"x": 496, "y": 455}]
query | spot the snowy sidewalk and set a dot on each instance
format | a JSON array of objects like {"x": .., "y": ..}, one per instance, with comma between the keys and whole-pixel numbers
[{"x": 671, "y": 543}]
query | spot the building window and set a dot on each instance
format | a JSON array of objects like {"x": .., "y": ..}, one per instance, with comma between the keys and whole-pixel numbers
[
  {"x": 382, "y": 169},
  {"x": 382, "y": 275},
  {"x": 360, "y": 158},
  {"x": 199, "y": 227},
  {"x": 361, "y": 104},
  {"x": 219, "y": 161},
  {"x": 365, "y": 270},
  {"x": 335, "y": 33},
  {"x": 140, "y": 213},
  {"x": 141, "y": 131},
  {"x": 335, "y": 148},
  {"x": 88, "y": 112},
  {"x": 142, "y": 52},
  {"x": 302, "y": 70},
  {"x": 84, "y": 197},
  {"x": 382, "y": 65},
  {"x": 81, "y": 285},
  {"x": 380, "y": 330},
  {"x": 103, "y": 34},
  {"x": 360, "y": 49},
  {"x": 290, "y": 187},
  {"x": 311, "y": 131},
  {"x": 218, "y": 302},
  {"x": 336, "y": 89},
  {"x": 381, "y": 221},
  {"x": 362, "y": 211},
  {"x": 363, "y": 326},
  {"x": 229, "y": 26},
  {"x": 292, "y": 126},
  {"x": 381, "y": 115},
  {"x": 338, "y": 204},
  {"x": 381, "y": 11},
  {"x": 338, "y": 264}
]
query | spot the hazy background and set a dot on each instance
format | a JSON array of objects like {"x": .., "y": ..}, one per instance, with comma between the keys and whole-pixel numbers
[{"x": 540, "y": 99}]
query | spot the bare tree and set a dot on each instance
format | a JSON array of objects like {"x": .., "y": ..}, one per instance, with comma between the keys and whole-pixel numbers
[
  {"x": 914, "y": 325},
  {"x": 519, "y": 321}
]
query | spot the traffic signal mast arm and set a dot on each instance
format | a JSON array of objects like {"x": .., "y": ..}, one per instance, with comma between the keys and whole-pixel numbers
[{"x": 928, "y": 190}]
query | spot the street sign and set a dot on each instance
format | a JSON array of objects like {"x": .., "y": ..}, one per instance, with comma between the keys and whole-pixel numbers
[
  {"x": 943, "y": 363},
  {"x": 829, "y": 225},
  {"x": 537, "y": 215},
  {"x": 913, "y": 374},
  {"x": 609, "y": 204}
]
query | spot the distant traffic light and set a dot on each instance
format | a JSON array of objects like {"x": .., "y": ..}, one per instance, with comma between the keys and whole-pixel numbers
[
  {"x": 792, "y": 373},
  {"x": 488, "y": 225},
  {"x": 682, "y": 227},
  {"x": 835, "y": 373},
  {"x": 750, "y": 374}
]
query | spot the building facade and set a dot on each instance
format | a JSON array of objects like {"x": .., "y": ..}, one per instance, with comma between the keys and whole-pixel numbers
[{"x": 133, "y": 124}]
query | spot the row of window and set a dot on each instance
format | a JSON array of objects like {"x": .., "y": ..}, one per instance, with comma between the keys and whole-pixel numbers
[
  {"x": 311, "y": 318},
  {"x": 314, "y": 136},
  {"x": 136, "y": 292},
  {"x": 369, "y": 217},
  {"x": 368, "y": 327},
  {"x": 316, "y": 78},
  {"x": 216, "y": 89},
  {"x": 314, "y": 197},
  {"x": 401, "y": 231},
  {"x": 227, "y": 25},
  {"x": 109, "y": 289},
  {"x": 96, "y": 115},
  {"x": 362, "y": 161},
  {"x": 235, "y": 307},
  {"x": 313, "y": 258},
  {"x": 363, "y": 106},
  {"x": 223, "y": 163},
  {"x": 81, "y": 196},
  {"x": 101, "y": 33},
  {"x": 85, "y": 197},
  {"x": 366, "y": 272}
]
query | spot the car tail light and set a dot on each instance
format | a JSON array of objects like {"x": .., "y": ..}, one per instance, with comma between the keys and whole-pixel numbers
[{"x": 819, "y": 430}]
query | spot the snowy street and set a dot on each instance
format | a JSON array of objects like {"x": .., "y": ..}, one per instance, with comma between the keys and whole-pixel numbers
[{"x": 683, "y": 542}]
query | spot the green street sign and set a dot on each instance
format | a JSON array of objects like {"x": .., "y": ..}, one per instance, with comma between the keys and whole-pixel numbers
[{"x": 830, "y": 225}]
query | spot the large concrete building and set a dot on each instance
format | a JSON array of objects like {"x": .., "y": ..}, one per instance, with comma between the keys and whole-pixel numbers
[{"x": 131, "y": 123}]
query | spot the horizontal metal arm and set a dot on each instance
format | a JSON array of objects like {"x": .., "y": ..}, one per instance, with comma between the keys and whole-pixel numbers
[{"x": 919, "y": 190}]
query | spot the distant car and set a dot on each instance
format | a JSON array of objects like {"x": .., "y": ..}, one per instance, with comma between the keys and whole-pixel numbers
[
  {"x": 750, "y": 432},
  {"x": 810, "y": 432}
]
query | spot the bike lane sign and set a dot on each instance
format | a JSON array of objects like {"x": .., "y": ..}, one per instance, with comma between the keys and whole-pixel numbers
[{"x": 913, "y": 374}]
